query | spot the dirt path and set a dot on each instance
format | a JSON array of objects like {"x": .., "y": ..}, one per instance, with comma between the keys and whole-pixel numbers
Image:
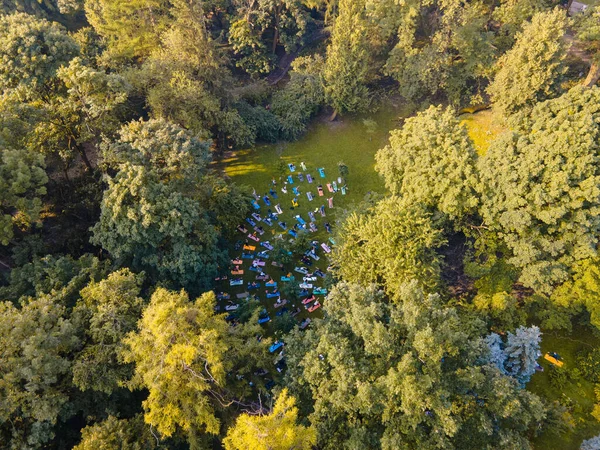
[{"x": 575, "y": 50}]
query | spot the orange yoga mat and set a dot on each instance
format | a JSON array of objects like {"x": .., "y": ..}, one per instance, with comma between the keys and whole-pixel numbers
[{"x": 553, "y": 360}]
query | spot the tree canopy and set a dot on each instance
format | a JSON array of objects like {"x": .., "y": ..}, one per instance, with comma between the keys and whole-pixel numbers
[
  {"x": 406, "y": 301},
  {"x": 431, "y": 161},
  {"x": 391, "y": 243},
  {"x": 187, "y": 383},
  {"x": 404, "y": 375},
  {"x": 539, "y": 187},
  {"x": 531, "y": 71},
  {"x": 156, "y": 211},
  {"x": 275, "y": 431},
  {"x": 31, "y": 52},
  {"x": 22, "y": 185}
]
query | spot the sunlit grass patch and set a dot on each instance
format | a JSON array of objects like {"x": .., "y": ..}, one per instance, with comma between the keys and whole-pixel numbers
[{"x": 483, "y": 127}]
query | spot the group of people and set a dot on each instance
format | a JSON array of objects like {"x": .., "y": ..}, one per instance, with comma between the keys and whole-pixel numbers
[{"x": 291, "y": 184}]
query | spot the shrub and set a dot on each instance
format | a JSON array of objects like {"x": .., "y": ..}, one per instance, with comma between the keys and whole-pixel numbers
[{"x": 589, "y": 365}]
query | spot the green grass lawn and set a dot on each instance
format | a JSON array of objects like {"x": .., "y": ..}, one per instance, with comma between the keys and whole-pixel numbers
[
  {"x": 483, "y": 127},
  {"x": 326, "y": 144},
  {"x": 580, "y": 391}
]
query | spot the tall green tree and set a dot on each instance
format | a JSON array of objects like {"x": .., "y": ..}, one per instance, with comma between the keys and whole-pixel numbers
[
  {"x": 48, "y": 9},
  {"x": 277, "y": 430},
  {"x": 186, "y": 79},
  {"x": 84, "y": 112},
  {"x": 532, "y": 70},
  {"x": 587, "y": 26},
  {"x": 159, "y": 211},
  {"x": 284, "y": 21},
  {"x": 389, "y": 244},
  {"x": 117, "y": 434},
  {"x": 107, "y": 310},
  {"x": 131, "y": 29},
  {"x": 31, "y": 52},
  {"x": 539, "y": 188},
  {"x": 408, "y": 374},
  {"x": 512, "y": 14},
  {"x": 440, "y": 47},
  {"x": 58, "y": 104},
  {"x": 347, "y": 64},
  {"x": 22, "y": 185},
  {"x": 301, "y": 97},
  {"x": 190, "y": 343},
  {"x": 37, "y": 341},
  {"x": 187, "y": 381},
  {"x": 582, "y": 291},
  {"x": 54, "y": 273},
  {"x": 431, "y": 161}
]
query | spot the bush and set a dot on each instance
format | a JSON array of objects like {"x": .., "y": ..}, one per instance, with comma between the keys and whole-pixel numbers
[
  {"x": 589, "y": 365},
  {"x": 264, "y": 124},
  {"x": 558, "y": 377},
  {"x": 300, "y": 99}
]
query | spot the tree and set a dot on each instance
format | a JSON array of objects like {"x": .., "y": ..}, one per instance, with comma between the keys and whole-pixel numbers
[
  {"x": 587, "y": 26},
  {"x": 17, "y": 120},
  {"x": 156, "y": 212},
  {"x": 538, "y": 188},
  {"x": 37, "y": 341},
  {"x": 301, "y": 97},
  {"x": 265, "y": 125},
  {"x": 22, "y": 184},
  {"x": 522, "y": 351},
  {"x": 187, "y": 82},
  {"x": 31, "y": 52},
  {"x": 532, "y": 70},
  {"x": 441, "y": 47},
  {"x": 431, "y": 161},
  {"x": 84, "y": 115},
  {"x": 253, "y": 56},
  {"x": 109, "y": 309},
  {"x": 284, "y": 323},
  {"x": 501, "y": 310},
  {"x": 406, "y": 374},
  {"x": 512, "y": 14},
  {"x": 65, "y": 106},
  {"x": 62, "y": 275},
  {"x": 183, "y": 354},
  {"x": 518, "y": 357},
  {"x": 285, "y": 20},
  {"x": 117, "y": 434},
  {"x": 346, "y": 68},
  {"x": 591, "y": 444},
  {"x": 497, "y": 355},
  {"x": 275, "y": 431},
  {"x": 582, "y": 291},
  {"x": 55, "y": 9},
  {"x": 391, "y": 243},
  {"x": 131, "y": 29},
  {"x": 189, "y": 341}
]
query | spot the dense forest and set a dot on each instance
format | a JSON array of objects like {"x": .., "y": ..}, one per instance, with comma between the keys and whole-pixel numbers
[{"x": 119, "y": 226}]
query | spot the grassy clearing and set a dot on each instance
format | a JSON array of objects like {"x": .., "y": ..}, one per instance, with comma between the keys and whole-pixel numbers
[
  {"x": 483, "y": 127},
  {"x": 580, "y": 391},
  {"x": 324, "y": 145}
]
